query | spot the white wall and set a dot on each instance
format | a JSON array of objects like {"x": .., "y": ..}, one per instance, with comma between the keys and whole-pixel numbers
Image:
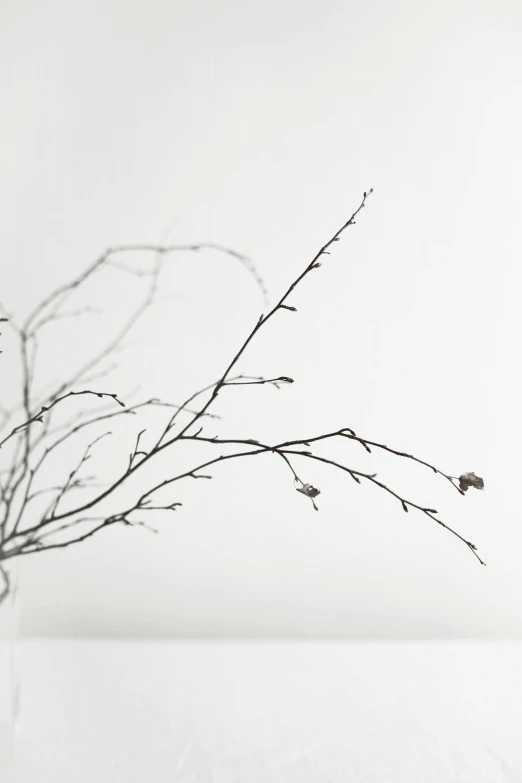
[{"x": 259, "y": 126}]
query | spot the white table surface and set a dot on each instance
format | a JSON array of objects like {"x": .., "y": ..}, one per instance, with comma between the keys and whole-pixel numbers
[{"x": 292, "y": 712}]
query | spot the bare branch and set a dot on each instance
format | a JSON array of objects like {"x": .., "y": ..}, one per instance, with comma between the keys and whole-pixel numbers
[
  {"x": 44, "y": 409},
  {"x": 29, "y": 547},
  {"x": 41, "y": 536},
  {"x": 6, "y": 584},
  {"x": 405, "y": 503},
  {"x": 314, "y": 264},
  {"x": 282, "y": 449},
  {"x": 48, "y": 310},
  {"x": 196, "y": 248}
]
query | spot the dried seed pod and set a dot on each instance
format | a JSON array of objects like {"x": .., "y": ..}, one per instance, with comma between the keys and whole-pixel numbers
[
  {"x": 467, "y": 480},
  {"x": 310, "y": 492}
]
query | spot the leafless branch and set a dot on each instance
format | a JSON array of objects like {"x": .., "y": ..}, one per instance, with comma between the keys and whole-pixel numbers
[
  {"x": 48, "y": 310},
  {"x": 41, "y": 535},
  {"x": 44, "y": 409},
  {"x": 6, "y": 584}
]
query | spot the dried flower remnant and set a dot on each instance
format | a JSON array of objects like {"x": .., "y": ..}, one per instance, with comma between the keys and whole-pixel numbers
[
  {"x": 467, "y": 480},
  {"x": 310, "y": 492}
]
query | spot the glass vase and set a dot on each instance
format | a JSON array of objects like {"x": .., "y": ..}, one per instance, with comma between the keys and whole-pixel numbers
[{"x": 9, "y": 627}]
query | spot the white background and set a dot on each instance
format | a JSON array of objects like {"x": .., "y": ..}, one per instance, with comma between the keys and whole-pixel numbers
[
  {"x": 259, "y": 126},
  {"x": 292, "y": 711}
]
